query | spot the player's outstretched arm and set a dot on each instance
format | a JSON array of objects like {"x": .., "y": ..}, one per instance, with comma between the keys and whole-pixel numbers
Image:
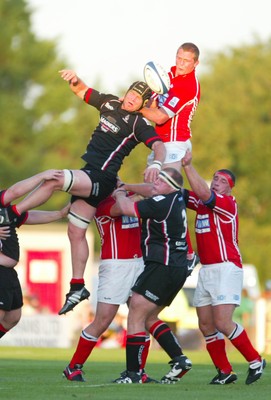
[
  {"x": 197, "y": 183},
  {"x": 76, "y": 84},
  {"x": 25, "y": 186},
  {"x": 44, "y": 217}
]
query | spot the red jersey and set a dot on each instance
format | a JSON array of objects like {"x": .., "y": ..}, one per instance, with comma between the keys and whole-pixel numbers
[
  {"x": 216, "y": 228},
  {"x": 180, "y": 103},
  {"x": 120, "y": 236}
]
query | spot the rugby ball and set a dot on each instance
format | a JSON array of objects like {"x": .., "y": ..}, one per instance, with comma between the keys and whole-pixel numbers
[{"x": 156, "y": 77}]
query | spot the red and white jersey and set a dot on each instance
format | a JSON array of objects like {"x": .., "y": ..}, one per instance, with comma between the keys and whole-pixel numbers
[
  {"x": 120, "y": 236},
  {"x": 180, "y": 103},
  {"x": 216, "y": 228}
]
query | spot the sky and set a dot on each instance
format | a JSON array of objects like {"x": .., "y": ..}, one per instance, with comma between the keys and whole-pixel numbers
[{"x": 112, "y": 40}]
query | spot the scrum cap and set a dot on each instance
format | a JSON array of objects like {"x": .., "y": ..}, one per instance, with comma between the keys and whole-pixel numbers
[{"x": 141, "y": 88}]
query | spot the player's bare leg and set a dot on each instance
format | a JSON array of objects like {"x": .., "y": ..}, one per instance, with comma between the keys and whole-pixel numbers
[{"x": 80, "y": 215}]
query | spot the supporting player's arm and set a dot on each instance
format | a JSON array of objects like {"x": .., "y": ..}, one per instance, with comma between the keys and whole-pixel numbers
[
  {"x": 25, "y": 186},
  {"x": 197, "y": 183},
  {"x": 44, "y": 217},
  {"x": 157, "y": 115}
]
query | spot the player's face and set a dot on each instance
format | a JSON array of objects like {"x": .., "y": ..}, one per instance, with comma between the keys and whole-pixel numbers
[
  {"x": 185, "y": 62},
  {"x": 132, "y": 101},
  {"x": 220, "y": 184},
  {"x": 160, "y": 187}
]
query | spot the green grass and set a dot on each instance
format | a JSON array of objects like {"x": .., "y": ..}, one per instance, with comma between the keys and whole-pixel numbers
[{"x": 36, "y": 374}]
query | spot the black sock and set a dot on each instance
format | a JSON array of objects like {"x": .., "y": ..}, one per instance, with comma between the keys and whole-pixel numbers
[
  {"x": 166, "y": 338},
  {"x": 134, "y": 348}
]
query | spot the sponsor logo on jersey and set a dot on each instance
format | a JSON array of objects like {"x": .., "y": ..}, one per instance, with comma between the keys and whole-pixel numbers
[
  {"x": 159, "y": 197},
  {"x": 174, "y": 101},
  {"x": 107, "y": 105},
  {"x": 180, "y": 245},
  {"x": 108, "y": 124},
  {"x": 202, "y": 224},
  {"x": 129, "y": 222}
]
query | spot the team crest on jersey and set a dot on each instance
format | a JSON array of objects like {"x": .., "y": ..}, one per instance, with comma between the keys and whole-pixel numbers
[
  {"x": 159, "y": 197},
  {"x": 202, "y": 224},
  {"x": 126, "y": 119},
  {"x": 174, "y": 101}
]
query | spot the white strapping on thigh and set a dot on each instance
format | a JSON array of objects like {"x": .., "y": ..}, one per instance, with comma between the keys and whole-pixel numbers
[
  {"x": 78, "y": 221},
  {"x": 68, "y": 180}
]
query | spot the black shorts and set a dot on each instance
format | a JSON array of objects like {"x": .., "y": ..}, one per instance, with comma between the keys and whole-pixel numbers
[
  {"x": 11, "y": 297},
  {"x": 160, "y": 283},
  {"x": 103, "y": 185}
]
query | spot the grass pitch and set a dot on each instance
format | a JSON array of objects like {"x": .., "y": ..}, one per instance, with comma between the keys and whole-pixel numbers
[{"x": 36, "y": 374}]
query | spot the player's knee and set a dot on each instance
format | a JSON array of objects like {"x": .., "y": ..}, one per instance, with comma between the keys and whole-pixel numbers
[{"x": 68, "y": 180}]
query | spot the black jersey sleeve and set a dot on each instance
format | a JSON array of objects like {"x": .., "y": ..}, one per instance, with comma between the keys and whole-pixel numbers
[
  {"x": 211, "y": 201},
  {"x": 97, "y": 99},
  {"x": 185, "y": 195},
  {"x": 145, "y": 132}
]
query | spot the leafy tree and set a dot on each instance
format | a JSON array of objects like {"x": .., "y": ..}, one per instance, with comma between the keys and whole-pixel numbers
[{"x": 43, "y": 125}]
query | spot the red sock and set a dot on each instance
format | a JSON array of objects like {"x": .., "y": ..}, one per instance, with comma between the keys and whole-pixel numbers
[
  {"x": 3, "y": 330},
  {"x": 215, "y": 345},
  {"x": 2, "y": 201},
  {"x": 243, "y": 344},
  {"x": 75, "y": 280},
  {"x": 77, "y": 284},
  {"x": 145, "y": 352},
  {"x": 83, "y": 350},
  {"x": 14, "y": 209}
]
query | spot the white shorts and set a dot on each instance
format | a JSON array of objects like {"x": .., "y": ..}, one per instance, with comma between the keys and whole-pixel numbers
[
  {"x": 175, "y": 151},
  {"x": 219, "y": 284},
  {"x": 116, "y": 277}
]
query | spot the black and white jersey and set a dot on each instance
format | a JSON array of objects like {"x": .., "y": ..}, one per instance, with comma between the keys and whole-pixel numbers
[
  {"x": 10, "y": 246},
  {"x": 164, "y": 227},
  {"x": 117, "y": 133}
]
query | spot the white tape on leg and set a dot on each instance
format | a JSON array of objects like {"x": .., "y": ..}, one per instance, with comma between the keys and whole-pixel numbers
[
  {"x": 78, "y": 221},
  {"x": 68, "y": 180}
]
